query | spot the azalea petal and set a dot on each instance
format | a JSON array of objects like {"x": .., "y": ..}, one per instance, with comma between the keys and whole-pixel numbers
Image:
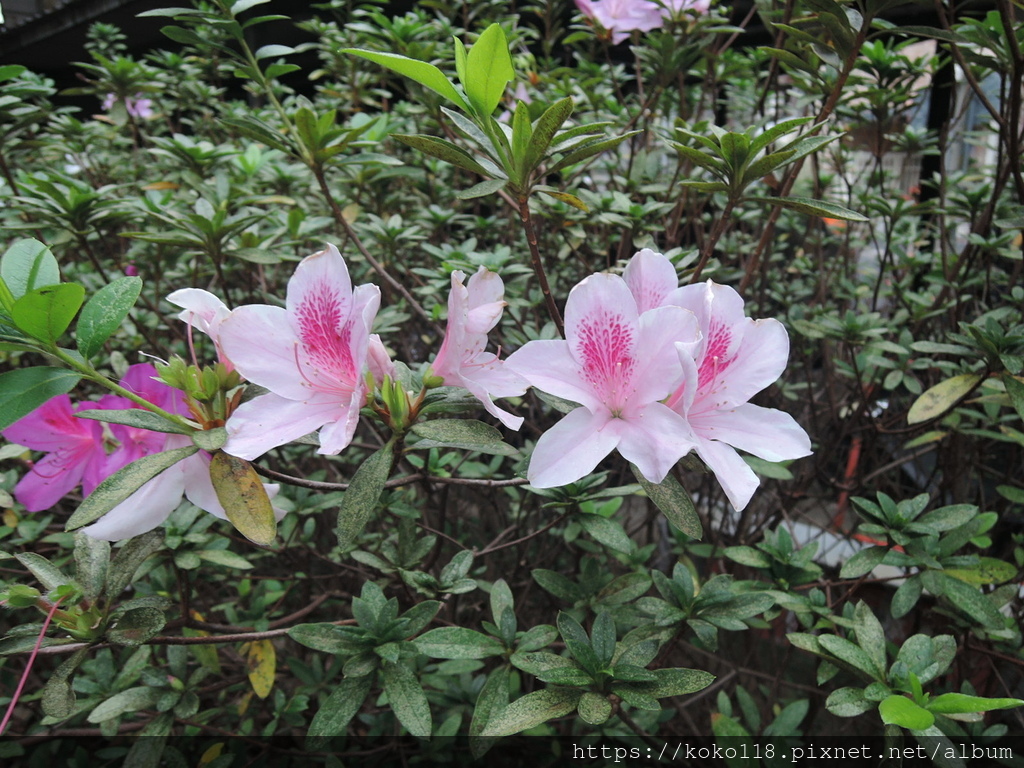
[
  {"x": 144, "y": 510},
  {"x": 656, "y": 440},
  {"x": 601, "y": 325},
  {"x": 49, "y": 427},
  {"x": 499, "y": 383},
  {"x": 202, "y": 310},
  {"x": 548, "y": 366},
  {"x": 736, "y": 478},
  {"x": 485, "y": 300},
  {"x": 320, "y": 283},
  {"x": 658, "y": 370},
  {"x": 651, "y": 277},
  {"x": 337, "y": 433},
  {"x": 377, "y": 359},
  {"x": 50, "y": 479},
  {"x": 765, "y": 432},
  {"x": 758, "y": 363},
  {"x": 269, "y": 420},
  {"x": 142, "y": 380},
  {"x": 572, "y": 449},
  {"x": 260, "y": 341}
]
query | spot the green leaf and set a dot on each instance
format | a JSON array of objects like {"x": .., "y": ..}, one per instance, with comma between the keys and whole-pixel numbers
[
  {"x": 423, "y": 73},
  {"x": 407, "y": 699},
  {"x": 956, "y": 703},
  {"x": 240, "y": 491},
  {"x": 531, "y": 710},
  {"x": 488, "y": 70},
  {"x": 937, "y": 400},
  {"x": 870, "y": 636},
  {"x": 210, "y": 439},
  {"x": 905, "y": 597},
  {"x": 989, "y": 571},
  {"x": 863, "y": 562},
  {"x": 1015, "y": 389},
  {"x": 848, "y": 702},
  {"x": 457, "y": 643},
  {"x": 104, "y": 313},
  {"x": 130, "y": 700},
  {"x": 673, "y": 500},
  {"x": 544, "y": 130},
  {"x": 594, "y": 708},
  {"x": 129, "y": 557},
  {"x": 603, "y": 638},
  {"x": 363, "y": 493},
  {"x": 148, "y": 749},
  {"x": 849, "y": 652},
  {"x": 461, "y": 433},
  {"x": 136, "y": 626},
  {"x": 26, "y": 266},
  {"x": 964, "y": 597},
  {"x": 443, "y": 150},
  {"x": 484, "y": 188},
  {"x": 677, "y": 681},
  {"x": 901, "y": 711},
  {"x": 493, "y": 698},
  {"x": 337, "y": 710},
  {"x": 49, "y": 575},
  {"x": 123, "y": 483},
  {"x": 134, "y": 417},
  {"x": 266, "y": 51},
  {"x": 749, "y": 556},
  {"x": 58, "y": 698},
  {"x": 92, "y": 557},
  {"x": 45, "y": 313},
  {"x": 327, "y": 638},
  {"x": 579, "y": 155},
  {"x": 814, "y": 207},
  {"x": 24, "y": 390},
  {"x": 568, "y": 199},
  {"x": 225, "y": 558},
  {"x": 606, "y": 531}
]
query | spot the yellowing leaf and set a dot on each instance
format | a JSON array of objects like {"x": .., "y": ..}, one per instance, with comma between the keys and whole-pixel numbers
[
  {"x": 158, "y": 185},
  {"x": 942, "y": 397},
  {"x": 243, "y": 497},
  {"x": 262, "y": 662},
  {"x": 10, "y": 518},
  {"x": 211, "y": 754}
]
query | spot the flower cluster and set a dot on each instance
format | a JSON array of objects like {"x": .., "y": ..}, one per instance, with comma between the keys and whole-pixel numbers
[
  {"x": 621, "y": 17},
  {"x": 658, "y": 371}
]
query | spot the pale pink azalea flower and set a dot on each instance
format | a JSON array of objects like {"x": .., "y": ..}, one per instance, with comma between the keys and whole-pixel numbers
[
  {"x": 618, "y": 365},
  {"x": 735, "y": 359},
  {"x": 378, "y": 360},
  {"x": 473, "y": 310},
  {"x": 311, "y": 355},
  {"x": 204, "y": 312},
  {"x": 621, "y": 17}
]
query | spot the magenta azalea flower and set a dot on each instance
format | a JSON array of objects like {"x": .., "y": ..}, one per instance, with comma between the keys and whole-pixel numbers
[
  {"x": 204, "y": 312},
  {"x": 310, "y": 355},
  {"x": 736, "y": 358},
  {"x": 618, "y": 365},
  {"x": 473, "y": 310},
  {"x": 74, "y": 452}
]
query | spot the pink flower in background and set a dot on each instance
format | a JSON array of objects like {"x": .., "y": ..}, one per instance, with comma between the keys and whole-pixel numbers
[
  {"x": 735, "y": 359},
  {"x": 620, "y": 17},
  {"x": 618, "y": 365},
  {"x": 310, "y": 355},
  {"x": 75, "y": 453},
  {"x": 473, "y": 310},
  {"x": 204, "y": 312},
  {"x": 137, "y": 106}
]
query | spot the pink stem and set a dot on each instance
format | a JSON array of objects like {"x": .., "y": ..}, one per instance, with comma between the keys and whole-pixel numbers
[{"x": 28, "y": 667}]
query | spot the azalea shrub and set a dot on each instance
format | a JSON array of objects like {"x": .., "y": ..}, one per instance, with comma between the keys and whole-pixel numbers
[{"x": 476, "y": 385}]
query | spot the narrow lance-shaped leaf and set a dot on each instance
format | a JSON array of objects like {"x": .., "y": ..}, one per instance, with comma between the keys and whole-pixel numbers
[
  {"x": 936, "y": 400},
  {"x": 532, "y": 710},
  {"x": 363, "y": 492},
  {"x": 672, "y": 499},
  {"x": 339, "y": 708},
  {"x": 134, "y": 417},
  {"x": 104, "y": 313},
  {"x": 443, "y": 150},
  {"x": 467, "y": 434},
  {"x": 407, "y": 699},
  {"x": 488, "y": 70},
  {"x": 814, "y": 207},
  {"x": 423, "y": 73},
  {"x": 240, "y": 491},
  {"x": 123, "y": 483}
]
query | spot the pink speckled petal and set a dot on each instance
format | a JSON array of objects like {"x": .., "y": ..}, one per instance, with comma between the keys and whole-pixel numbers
[{"x": 651, "y": 278}]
